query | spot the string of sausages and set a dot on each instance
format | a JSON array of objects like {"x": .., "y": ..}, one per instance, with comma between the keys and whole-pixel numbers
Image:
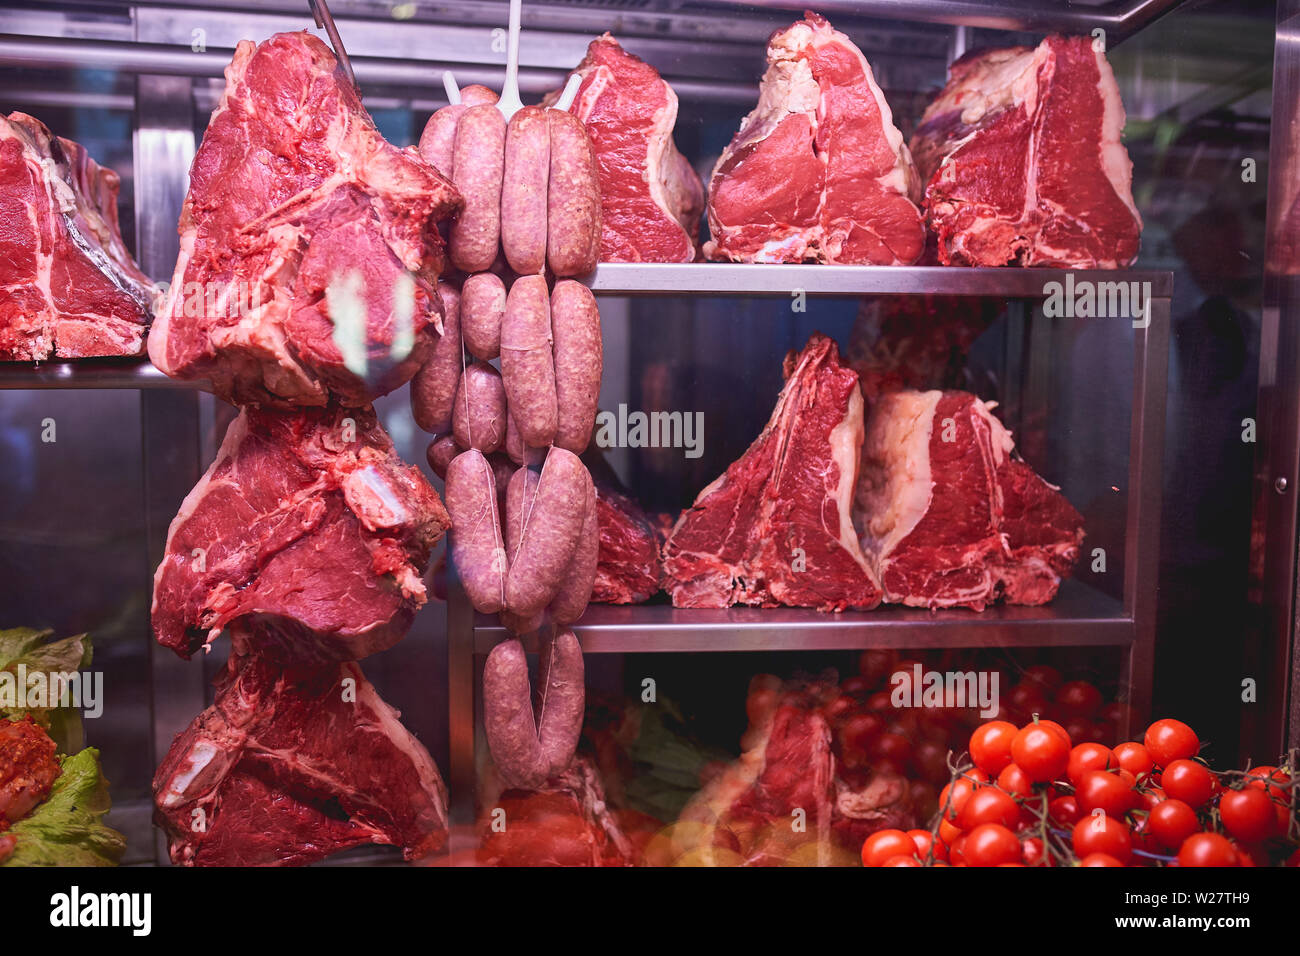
[{"x": 507, "y": 442}]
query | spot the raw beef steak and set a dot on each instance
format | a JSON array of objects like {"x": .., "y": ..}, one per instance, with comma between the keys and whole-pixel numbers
[
  {"x": 291, "y": 764},
  {"x": 68, "y": 287},
  {"x": 628, "y": 568},
  {"x": 651, "y": 198},
  {"x": 1022, "y": 160},
  {"x": 950, "y": 516},
  {"x": 309, "y": 253},
  {"x": 818, "y": 172},
  {"x": 308, "y": 522},
  {"x": 776, "y": 527}
]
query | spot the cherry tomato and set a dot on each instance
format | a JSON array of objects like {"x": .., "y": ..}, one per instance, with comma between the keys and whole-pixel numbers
[
  {"x": 991, "y": 844},
  {"x": 988, "y": 805},
  {"x": 1025, "y": 699},
  {"x": 1134, "y": 758},
  {"x": 1207, "y": 849},
  {"x": 1188, "y": 781},
  {"x": 1086, "y": 757},
  {"x": 883, "y": 844},
  {"x": 902, "y": 859},
  {"x": 1080, "y": 728},
  {"x": 873, "y": 665},
  {"x": 1013, "y": 780},
  {"x": 957, "y": 852},
  {"x": 859, "y": 730},
  {"x": 1247, "y": 815},
  {"x": 1099, "y": 859},
  {"x": 959, "y": 790},
  {"x": 990, "y": 746},
  {"x": 924, "y": 841},
  {"x": 1064, "y": 811},
  {"x": 1078, "y": 699},
  {"x": 1152, "y": 797},
  {"x": 1281, "y": 795},
  {"x": 1102, "y": 834},
  {"x": 1057, "y": 729},
  {"x": 1168, "y": 740},
  {"x": 1109, "y": 791},
  {"x": 1041, "y": 752},
  {"x": 1172, "y": 822},
  {"x": 1031, "y": 852},
  {"x": 949, "y": 834}
]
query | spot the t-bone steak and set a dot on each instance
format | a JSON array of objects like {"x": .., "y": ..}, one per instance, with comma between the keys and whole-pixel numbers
[
  {"x": 776, "y": 528},
  {"x": 68, "y": 287},
  {"x": 950, "y": 516},
  {"x": 651, "y": 198},
  {"x": 818, "y": 171},
  {"x": 1023, "y": 163},
  {"x": 309, "y": 248},
  {"x": 308, "y": 523},
  {"x": 291, "y": 764}
]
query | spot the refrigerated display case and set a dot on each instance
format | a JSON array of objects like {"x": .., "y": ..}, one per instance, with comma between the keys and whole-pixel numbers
[{"x": 1176, "y": 437}]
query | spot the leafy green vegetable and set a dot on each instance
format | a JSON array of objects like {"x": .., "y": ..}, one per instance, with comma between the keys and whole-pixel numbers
[
  {"x": 34, "y": 649},
  {"x": 66, "y": 830},
  {"x": 668, "y": 761}
]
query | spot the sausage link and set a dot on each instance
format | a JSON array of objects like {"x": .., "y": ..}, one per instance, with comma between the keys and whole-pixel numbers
[
  {"x": 523, "y": 190},
  {"x": 440, "y": 453},
  {"x": 579, "y": 361},
  {"x": 433, "y": 389},
  {"x": 575, "y": 592},
  {"x": 482, "y": 307},
  {"x": 479, "y": 418},
  {"x": 527, "y": 363},
  {"x": 559, "y": 718},
  {"x": 550, "y": 532},
  {"x": 439, "y": 138},
  {"x": 476, "y": 545},
  {"x": 521, "y": 493},
  {"x": 478, "y": 158},
  {"x": 572, "y": 198}
]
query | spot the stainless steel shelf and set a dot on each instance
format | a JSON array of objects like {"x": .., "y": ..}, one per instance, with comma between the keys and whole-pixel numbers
[
  {"x": 133, "y": 372},
  {"x": 753, "y": 279},
  {"x": 1080, "y": 616}
]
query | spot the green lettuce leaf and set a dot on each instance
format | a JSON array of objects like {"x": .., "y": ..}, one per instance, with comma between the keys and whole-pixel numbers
[
  {"x": 66, "y": 830},
  {"x": 27, "y": 645}
]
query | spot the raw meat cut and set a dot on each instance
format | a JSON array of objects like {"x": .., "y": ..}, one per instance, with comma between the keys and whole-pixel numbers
[
  {"x": 68, "y": 287},
  {"x": 776, "y": 527},
  {"x": 818, "y": 171},
  {"x": 1022, "y": 160},
  {"x": 309, "y": 252},
  {"x": 28, "y": 768},
  {"x": 651, "y": 198},
  {"x": 628, "y": 568},
  {"x": 789, "y": 763},
  {"x": 913, "y": 341},
  {"x": 308, "y": 522},
  {"x": 291, "y": 764},
  {"x": 950, "y": 516}
]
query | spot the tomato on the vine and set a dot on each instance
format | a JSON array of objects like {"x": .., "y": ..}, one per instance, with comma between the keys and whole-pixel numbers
[
  {"x": 990, "y": 746},
  {"x": 1041, "y": 752},
  {"x": 883, "y": 844},
  {"x": 1134, "y": 758},
  {"x": 1102, "y": 834},
  {"x": 1014, "y": 781},
  {"x": 1207, "y": 849},
  {"x": 1168, "y": 740},
  {"x": 1171, "y": 822},
  {"x": 1188, "y": 781},
  {"x": 902, "y": 859},
  {"x": 988, "y": 805},
  {"x": 991, "y": 844},
  {"x": 1108, "y": 791},
  {"x": 1086, "y": 757},
  {"x": 954, "y": 795},
  {"x": 1248, "y": 815},
  {"x": 1064, "y": 811},
  {"x": 925, "y": 841}
]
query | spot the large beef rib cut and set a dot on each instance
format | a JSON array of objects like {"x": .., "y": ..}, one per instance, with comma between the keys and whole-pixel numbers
[
  {"x": 68, "y": 287},
  {"x": 291, "y": 764},
  {"x": 818, "y": 171},
  {"x": 776, "y": 528},
  {"x": 307, "y": 522},
  {"x": 651, "y": 199},
  {"x": 950, "y": 516},
  {"x": 309, "y": 250},
  {"x": 1022, "y": 160}
]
